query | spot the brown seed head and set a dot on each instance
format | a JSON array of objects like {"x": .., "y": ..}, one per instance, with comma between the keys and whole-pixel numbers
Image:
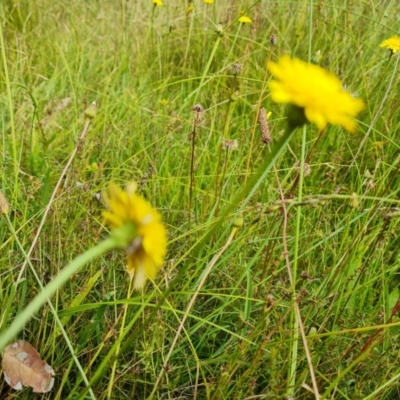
[
  {"x": 198, "y": 108},
  {"x": 236, "y": 68},
  {"x": 229, "y": 144},
  {"x": 273, "y": 39},
  {"x": 264, "y": 126}
]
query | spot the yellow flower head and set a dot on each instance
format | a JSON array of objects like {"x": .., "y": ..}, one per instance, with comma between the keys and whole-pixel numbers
[
  {"x": 393, "y": 43},
  {"x": 318, "y": 93},
  {"x": 158, "y": 3},
  {"x": 244, "y": 19},
  {"x": 208, "y": 1},
  {"x": 147, "y": 250}
]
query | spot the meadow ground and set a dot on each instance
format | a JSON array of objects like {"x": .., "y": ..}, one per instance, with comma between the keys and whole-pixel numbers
[{"x": 281, "y": 276}]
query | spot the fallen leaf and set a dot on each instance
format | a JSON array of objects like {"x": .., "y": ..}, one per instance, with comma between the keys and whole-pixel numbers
[{"x": 22, "y": 366}]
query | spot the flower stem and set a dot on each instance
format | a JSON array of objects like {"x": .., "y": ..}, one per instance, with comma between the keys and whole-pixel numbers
[
  {"x": 55, "y": 284},
  {"x": 219, "y": 193},
  {"x": 192, "y": 178},
  {"x": 114, "y": 367},
  {"x": 263, "y": 89},
  {"x": 52, "y": 308},
  {"x": 11, "y": 111},
  {"x": 295, "y": 322}
]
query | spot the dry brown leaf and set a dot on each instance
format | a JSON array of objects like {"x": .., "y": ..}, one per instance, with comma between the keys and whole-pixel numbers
[{"x": 22, "y": 366}]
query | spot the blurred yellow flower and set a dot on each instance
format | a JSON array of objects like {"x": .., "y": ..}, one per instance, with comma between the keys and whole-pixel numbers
[
  {"x": 393, "y": 43},
  {"x": 208, "y": 1},
  {"x": 158, "y": 3},
  {"x": 244, "y": 19},
  {"x": 189, "y": 9},
  {"x": 317, "y": 92},
  {"x": 148, "y": 248}
]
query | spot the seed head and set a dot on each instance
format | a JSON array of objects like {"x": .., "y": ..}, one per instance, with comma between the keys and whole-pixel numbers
[
  {"x": 90, "y": 112},
  {"x": 264, "y": 126},
  {"x": 273, "y": 39},
  {"x": 236, "y": 68},
  {"x": 229, "y": 144},
  {"x": 198, "y": 108},
  {"x": 354, "y": 203},
  {"x": 238, "y": 223}
]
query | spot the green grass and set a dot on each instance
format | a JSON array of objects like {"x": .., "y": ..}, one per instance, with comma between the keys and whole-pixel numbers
[{"x": 146, "y": 69}]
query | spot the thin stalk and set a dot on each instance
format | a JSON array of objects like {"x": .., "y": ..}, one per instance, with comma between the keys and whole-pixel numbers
[
  {"x": 198, "y": 110},
  {"x": 192, "y": 181},
  {"x": 206, "y": 273},
  {"x": 295, "y": 321},
  {"x": 106, "y": 359},
  {"x": 222, "y": 183},
  {"x": 377, "y": 114},
  {"x": 53, "y": 195},
  {"x": 296, "y": 304},
  {"x": 234, "y": 43},
  {"x": 11, "y": 110},
  {"x": 53, "y": 310},
  {"x": 191, "y": 16},
  {"x": 114, "y": 367},
  {"x": 294, "y": 317},
  {"x": 152, "y": 24},
  {"x": 206, "y": 69},
  {"x": 224, "y": 135},
  {"x": 250, "y": 187},
  {"x": 256, "y": 119},
  {"x": 45, "y": 294},
  {"x": 307, "y": 160}
]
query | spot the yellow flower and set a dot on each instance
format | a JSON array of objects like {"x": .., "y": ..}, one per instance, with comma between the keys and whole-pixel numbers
[
  {"x": 393, "y": 43},
  {"x": 147, "y": 250},
  {"x": 208, "y": 1},
  {"x": 189, "y": 9},
  {"x": 244, "y": 19},
  {"x": 318, "y": 93},
  {"x": 158, "y": 3}
]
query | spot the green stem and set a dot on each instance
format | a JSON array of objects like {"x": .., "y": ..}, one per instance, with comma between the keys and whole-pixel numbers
[
  {"x": 205, "y": 72},
  {"x": 295, "y": 323},
  {"x": 117, "y": 350},
  {"x": 234, "y": 43},
  {"x": 294, "y": 317},
  {"x": 55, "y": 284},
  {"x": 250, "y": 187},
  {"x": 52, "y": 308},
  {"x": 11, "y": 110}
]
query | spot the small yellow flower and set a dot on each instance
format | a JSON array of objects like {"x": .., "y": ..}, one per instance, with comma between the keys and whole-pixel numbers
[
  {"x": 158, "y": 3},
  {"x": 393, "y": 43},
  {"x": 244, "y": 19},
  {"x": 208, "y": 1},
  {"x": 164, "y": 102},
  {"x": 315, "y": 91},
  {"x": 147, "y": 250}
]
